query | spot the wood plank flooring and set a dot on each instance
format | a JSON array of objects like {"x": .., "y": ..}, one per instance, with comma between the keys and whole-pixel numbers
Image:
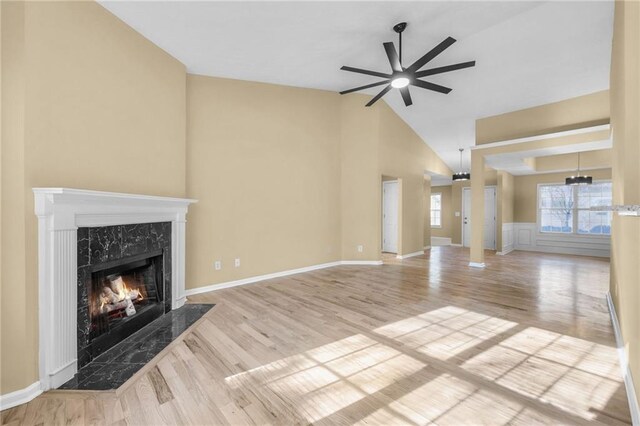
[{"x": 528, "y": 340}]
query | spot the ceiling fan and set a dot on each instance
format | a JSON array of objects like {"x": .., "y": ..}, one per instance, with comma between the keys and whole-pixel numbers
[{"x": 401, "y": 77}]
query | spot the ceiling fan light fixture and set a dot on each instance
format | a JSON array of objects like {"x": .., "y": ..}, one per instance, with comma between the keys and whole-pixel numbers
[{"x": 400, "y": 82}]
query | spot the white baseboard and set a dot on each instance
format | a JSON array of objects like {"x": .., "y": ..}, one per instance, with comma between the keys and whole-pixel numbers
[
  {"x": 251, "y": 280},
  {"x": 477, "y": 264},
  {"x": 440, "y": 241},
  {"x": 456, "y": 245},
  {"x": 21, "y": 396},
  {"x": 414, "y": 254},
  {"x": 360, "y": 262},
  {"x": 426, "y": 248},
  {"x": 624, "y": 365},
  {"x": 505, "y": 252}
]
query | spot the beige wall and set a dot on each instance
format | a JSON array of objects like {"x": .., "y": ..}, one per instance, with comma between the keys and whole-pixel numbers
[
  {"x": 526, "y": 192},
  {"x": 361, "y": 187},
  {"x": 92, "y": 104},
  {"x": 446, "y": 231},
  {"x": 625, "y": 234},
  {"x": 403, "y": 154},
  {"x": 583, "y": 111},
  {"x": 589, "y": 160},
  {"x": 268, "y": 184},
  {"x": 296, "y": 187},
  {"x": 426, "y": 222}
]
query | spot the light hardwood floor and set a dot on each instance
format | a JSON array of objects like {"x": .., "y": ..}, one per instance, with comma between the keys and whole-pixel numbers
[{"x": 528, "y": 340}]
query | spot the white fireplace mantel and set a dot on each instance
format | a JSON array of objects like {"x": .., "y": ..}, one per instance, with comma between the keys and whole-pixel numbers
[{"x": 61, "y": 211}]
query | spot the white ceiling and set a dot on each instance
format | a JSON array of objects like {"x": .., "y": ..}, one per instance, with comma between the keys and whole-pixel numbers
[{"x": 527, "y": 53}]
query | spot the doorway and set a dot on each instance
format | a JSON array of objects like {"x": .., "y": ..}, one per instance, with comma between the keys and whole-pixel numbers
[
  {"x": 489, "y": 217},
  {"x": 390, "y": 216}
]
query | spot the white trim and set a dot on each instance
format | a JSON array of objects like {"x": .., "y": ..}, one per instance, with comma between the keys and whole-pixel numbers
[
  {"x": 507, "y": 239},
  {"x": 258, "y": 278},
  {"x": 575, "y": 212},
  {"x": 426, "y": 247},
  {"x": 477, "y": 264},
  {"x": 591, "y": 129},
  {"x": 624, "y": 364},
  {"x": 361, "y": 262},
  {"x": 526, "y": 237},
  {"x": 440, "y": 241},
  {"x": 456, "y": 245},
  {"x": 20, "y": 396},
  {"x": 414, "y": 254},
  {"x": 61, "y": 211},
  {"x": 504, "y": 253}
]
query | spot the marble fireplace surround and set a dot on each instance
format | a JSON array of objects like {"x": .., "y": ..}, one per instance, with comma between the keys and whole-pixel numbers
[{"x": 61, "y": 211}]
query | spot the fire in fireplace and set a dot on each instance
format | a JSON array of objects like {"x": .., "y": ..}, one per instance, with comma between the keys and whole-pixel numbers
[{"x": 124, "y": 296}]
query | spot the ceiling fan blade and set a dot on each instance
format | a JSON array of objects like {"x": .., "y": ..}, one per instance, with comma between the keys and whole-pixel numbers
[
  {"x": 379, "y": 95},
  {"x": 431, "y": 54},
  {"x": 393, "y": 56},
  {"x": 431, "y": 86},
  {"x": 447, "y": 68},
  {"x": 406, "y": 96},
  {"x": 367, "y": 72},
  {"x": 379, "y": 83}
]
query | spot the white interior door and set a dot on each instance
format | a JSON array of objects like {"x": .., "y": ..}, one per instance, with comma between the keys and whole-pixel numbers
[
  {"x": 489, "y": 218},
  {"x": 390, "y": 216},
  {"x": 466, "y": 217}
]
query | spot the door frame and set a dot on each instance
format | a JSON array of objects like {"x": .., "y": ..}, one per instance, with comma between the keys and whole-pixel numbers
[
  {"x": 384, "y": 183},
  {"x": 495, "y": 210}
]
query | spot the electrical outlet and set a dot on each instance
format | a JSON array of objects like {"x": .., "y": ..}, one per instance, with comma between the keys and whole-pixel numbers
[
  {"x": 457, "y": 214},
  {"x": 237, "y": 263},
  {"x": 218, "y": 265},
  {"x": 360, "y": 248}
]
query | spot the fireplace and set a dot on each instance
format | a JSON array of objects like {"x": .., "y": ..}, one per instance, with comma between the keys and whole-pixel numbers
[
  {"x": 124, "y": 296},
  {"x": 124, "y": 283},
  {"x": 79, "y": 229}
]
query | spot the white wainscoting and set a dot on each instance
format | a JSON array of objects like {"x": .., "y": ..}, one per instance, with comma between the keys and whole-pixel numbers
[
  {"x": 440, "y": 241},
  {"x": 526, "y": 237},
  {"x": 507, "y": 239}
]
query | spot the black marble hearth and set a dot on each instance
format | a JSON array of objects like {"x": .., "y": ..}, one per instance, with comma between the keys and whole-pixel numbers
[{"x": 111, "y": 369}]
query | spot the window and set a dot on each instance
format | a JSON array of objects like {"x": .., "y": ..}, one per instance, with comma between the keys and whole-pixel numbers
[
  {"x": 436, "y": 210},
  {"x": 567, "y": 209}
]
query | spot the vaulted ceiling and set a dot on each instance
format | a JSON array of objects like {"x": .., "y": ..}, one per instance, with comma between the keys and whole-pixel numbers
[{"x": 527, "y": 53}]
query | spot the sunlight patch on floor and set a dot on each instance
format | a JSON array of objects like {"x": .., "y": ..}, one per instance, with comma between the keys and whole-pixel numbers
[
  {"x": 445, "y": 332},
  {"x": 332, "y": 382},
  {"x": 326, "y": 379},
  {"x": 575, "y": 375}
]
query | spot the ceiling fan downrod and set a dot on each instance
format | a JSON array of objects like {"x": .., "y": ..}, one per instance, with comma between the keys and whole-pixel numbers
[{"x": 399, "y": 28}]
